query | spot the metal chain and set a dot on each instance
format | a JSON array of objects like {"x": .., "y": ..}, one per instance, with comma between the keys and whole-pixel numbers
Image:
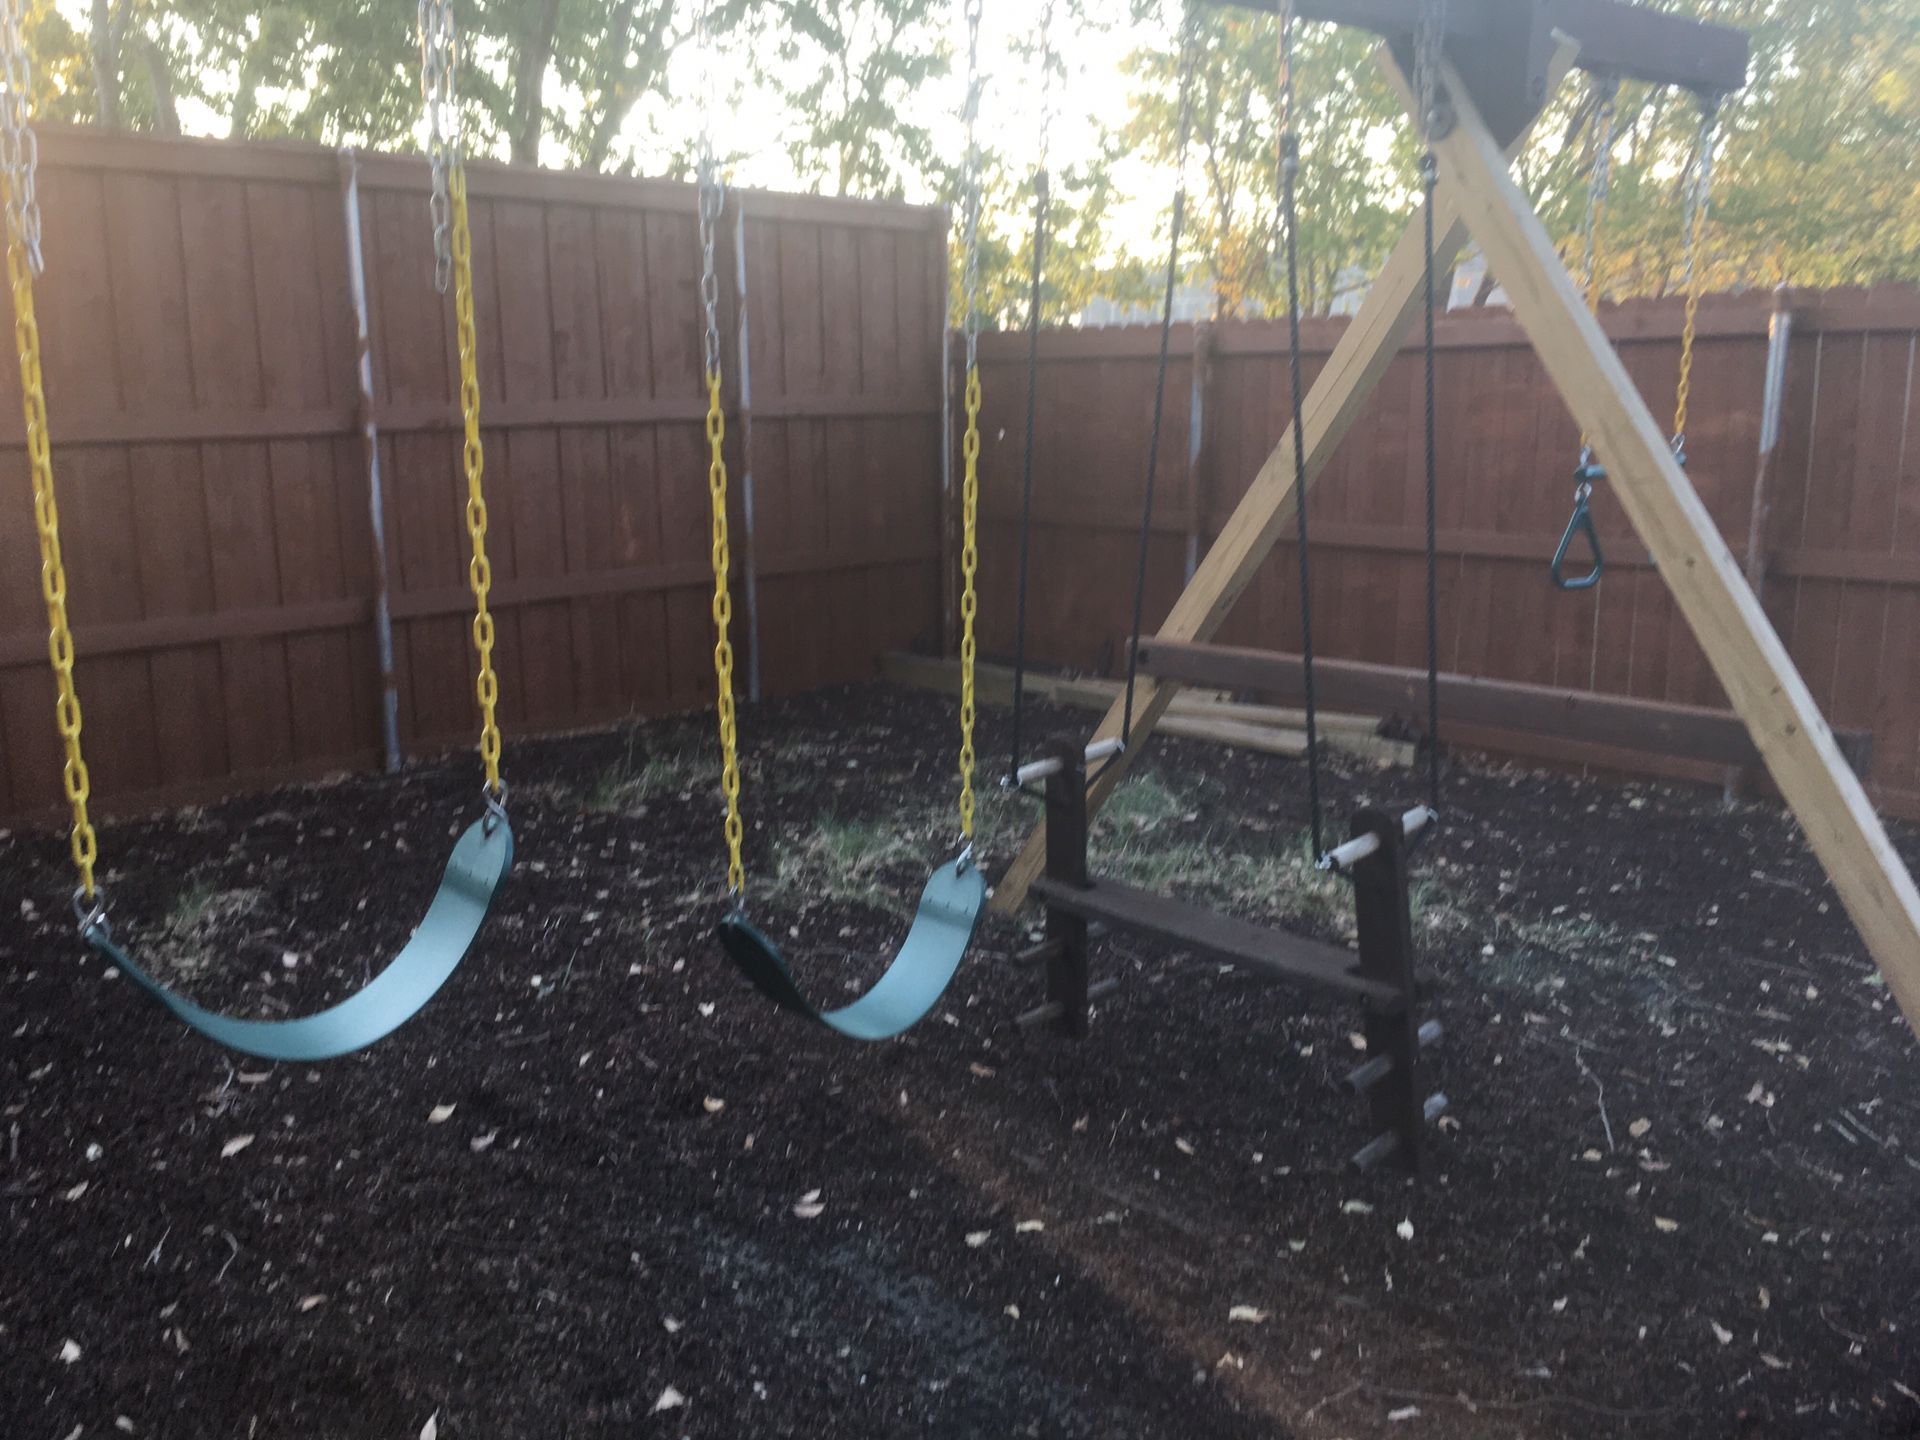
[
  {"x": 1699, "y": 193},
  {"x": 486, "y": 685},
  {"x": 1599, "y": 174},
  {"x": 1434, "y": 126},
  {"x": 23, "y": 263},
  {"x": 712, "y": 199},
  {"x": 1290, "y": 220},
  {"x": 1189, "y": 67},
  {"x": 19, "y": 149},
  {"x": 439, "y": 70},
  {"x": 453, "y": 261},
  {"x": 1432, "y": 119},
  {"x": 1035, "y": 294},
  {"x": 970, "y": 440}
]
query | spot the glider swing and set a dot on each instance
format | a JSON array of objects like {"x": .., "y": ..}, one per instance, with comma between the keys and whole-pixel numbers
[
  {"x": 1381, "y": 975},
  {"x": 483, "y": 853},
  {"x": 950, "y": 906}
]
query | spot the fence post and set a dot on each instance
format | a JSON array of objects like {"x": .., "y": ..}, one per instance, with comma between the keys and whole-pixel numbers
[{"x": 370, "y": 441}]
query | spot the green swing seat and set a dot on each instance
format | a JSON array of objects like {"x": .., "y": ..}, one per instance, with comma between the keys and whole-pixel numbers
[
  {"x": 913, "y": 983},
  {"x": 479, "y": 862}
]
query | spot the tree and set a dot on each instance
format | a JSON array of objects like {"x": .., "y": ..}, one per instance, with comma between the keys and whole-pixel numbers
[{"x": 846, "y": 68}]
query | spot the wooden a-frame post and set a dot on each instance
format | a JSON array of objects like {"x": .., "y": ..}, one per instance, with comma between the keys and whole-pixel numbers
[{"x": 1477, "y": 195}]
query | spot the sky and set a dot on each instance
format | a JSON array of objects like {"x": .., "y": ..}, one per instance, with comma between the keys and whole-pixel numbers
[{"x": 1091, "y": 101}]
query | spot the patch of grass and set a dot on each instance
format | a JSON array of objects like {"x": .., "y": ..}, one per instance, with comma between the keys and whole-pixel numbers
[
  {"x": 197, "y": 919},
  {"x": 845, "y": 860},
  {"x": 630, "y": 782}
]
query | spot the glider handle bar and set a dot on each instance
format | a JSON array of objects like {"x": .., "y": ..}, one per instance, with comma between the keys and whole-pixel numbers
[
  {"x": 1054, "y": 1009},
  {"x": 1387, "y": 1142},
  {"x": 1365, "y": 1076},
  {"x": 1345, "y": 857},
  {"x": 1041, "y": 769}
]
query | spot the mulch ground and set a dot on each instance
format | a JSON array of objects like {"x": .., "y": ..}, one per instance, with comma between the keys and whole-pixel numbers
[{"x": 600, "y": 1188}]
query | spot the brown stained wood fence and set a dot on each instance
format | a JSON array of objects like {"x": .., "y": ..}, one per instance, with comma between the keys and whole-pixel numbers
[
  {"x": 1840, "y": 538},
  {"x": 199, "y": 358}
]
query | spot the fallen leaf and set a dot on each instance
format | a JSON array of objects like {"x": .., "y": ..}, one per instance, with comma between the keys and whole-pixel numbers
[
  {"x": 670, "y": 1399},
  {"x": 713, "y": 1104},
  {"x": 440, "y": 1114},
  {"x": 1560, "y": 1305},
  {"x": 706, "y": 1013},
  {"x": 1029, "y": 1227},
  {"x": 1773, "y": 1362},
  {"x": 809, "y": 1209},
  {"x": 1721, "y": 1333},
  {"x": 985, "y": 1072},
  {"x": 76, "y": 1192},
  {"x": 1185, "y": 1147},
  {"x": 254, "y": 1077},
  {"x": 1405, "y": 1412},
  {"x": 234, "y": 1146},
  {"x": 1356, "y": 1207},
  {"x": 483, "y": 1142},
  {"x": 1013, "y": 1312},
  {"x": 672, "y": 1325},
  {"x": 312, "y": 1302},
  {"x": 1766, "y": 1300},
  {"x": 1248, "y": 1315},
  {"x": 1404, "y": 1229},
  {"x": 1664, "y": 1225},
  {"x": 431, "y": 1430},
  {"x": 1591, "y": 1156},
  {"x": 1639, "y": 1127},
  {"x": 69, "y": 1352},
  {"x": 976, "y": 1238}
]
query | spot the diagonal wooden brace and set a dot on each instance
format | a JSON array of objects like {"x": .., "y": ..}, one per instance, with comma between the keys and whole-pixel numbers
[
  {"x": 1706, "y": 581},
  {"x": 1264, "y": 513}
]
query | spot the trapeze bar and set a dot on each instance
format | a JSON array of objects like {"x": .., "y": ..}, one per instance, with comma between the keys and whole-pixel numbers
[
  {"x": 1361, "y": 846},
  {"x": 1041, "y": 769}
]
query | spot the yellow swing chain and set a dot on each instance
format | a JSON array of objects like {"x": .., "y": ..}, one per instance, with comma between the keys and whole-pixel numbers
[
  {"x": 711, "y": 198},
  {"x": 18, "y": 156},
  {"x": 970, "y": 440},
  {"x": 453, "y": 259},
  {"x": 1699, "y": 191}
]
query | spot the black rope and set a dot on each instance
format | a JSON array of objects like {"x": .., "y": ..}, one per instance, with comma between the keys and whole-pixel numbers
[
  {"x": 1026, "y": 463},
  {"x": 1160, "y": 380},
  {"x": 1429, "y": 173},
  {"x": 1289, "y": 165}
]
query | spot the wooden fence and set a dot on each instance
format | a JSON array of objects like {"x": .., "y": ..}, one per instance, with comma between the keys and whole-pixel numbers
[
  {"x": 1839, "y": 542},
  {"x": 200, "y": 354}
]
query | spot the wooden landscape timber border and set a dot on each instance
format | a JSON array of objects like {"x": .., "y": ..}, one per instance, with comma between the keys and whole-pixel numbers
[
  {"x": 1477, "y": 195},
  {"x": 207, "y": 427},
  {"x": 1688, "y": 732}
]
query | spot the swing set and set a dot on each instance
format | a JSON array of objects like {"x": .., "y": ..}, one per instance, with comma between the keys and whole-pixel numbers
[{"x": 1473, "y": 76}]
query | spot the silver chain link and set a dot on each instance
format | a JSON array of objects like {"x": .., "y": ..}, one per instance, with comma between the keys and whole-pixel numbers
[
  {"x": 971, "y": 196},
  {"x": 439, "y": 69},
  {"x": 1432, "y": 118},
  {"x": 1600, "y": 169},
  {"x": 1699, "y": 191},
  {"x": 19, "y": 149},
  {"x": 712, "y": 201}
]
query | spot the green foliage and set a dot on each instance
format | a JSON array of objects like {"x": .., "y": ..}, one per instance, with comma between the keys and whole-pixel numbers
[{"x": 1814, "y": 171}]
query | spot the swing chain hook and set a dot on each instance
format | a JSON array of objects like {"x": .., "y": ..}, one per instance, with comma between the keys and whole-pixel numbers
[
  {"x": 90, "y": 912},
  {"x": 1434, "y": 111}
]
